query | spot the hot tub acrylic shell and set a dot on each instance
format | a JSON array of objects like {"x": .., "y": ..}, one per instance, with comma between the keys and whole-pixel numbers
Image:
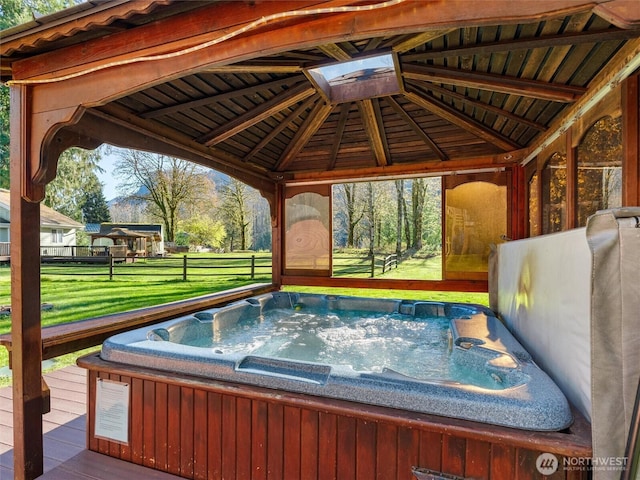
[{"x": 530, "y": 401}]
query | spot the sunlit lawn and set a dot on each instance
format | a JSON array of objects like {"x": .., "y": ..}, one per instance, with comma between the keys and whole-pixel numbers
[
  {"x": 91, "y": 293},
  {"x": 79, "y": 297}
]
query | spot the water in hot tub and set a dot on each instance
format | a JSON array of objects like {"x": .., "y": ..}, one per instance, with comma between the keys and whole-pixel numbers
[{"x": 368, "y": 342}]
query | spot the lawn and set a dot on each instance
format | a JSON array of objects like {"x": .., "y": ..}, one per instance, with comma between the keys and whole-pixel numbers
[
  {"x": 89, "y": 293},
  {"x": 79, "y": 297}
]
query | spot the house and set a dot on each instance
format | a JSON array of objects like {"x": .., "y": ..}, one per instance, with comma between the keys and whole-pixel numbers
[
  {"x": 141, "y": 239},
  {"x": 56, "y": 229}
]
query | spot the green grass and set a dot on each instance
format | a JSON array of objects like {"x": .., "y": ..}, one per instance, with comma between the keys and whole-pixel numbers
[{"x": 85, "y": 296}]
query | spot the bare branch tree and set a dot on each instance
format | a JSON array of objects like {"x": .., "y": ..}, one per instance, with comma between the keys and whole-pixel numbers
[{"x": 167, "y": 184}]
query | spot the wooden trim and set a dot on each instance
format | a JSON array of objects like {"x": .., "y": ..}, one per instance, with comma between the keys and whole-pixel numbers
[
  {"x": 631, "y": 141},
  {"x": 70, "y": 337},
  {"x": 480, "y": 286}
]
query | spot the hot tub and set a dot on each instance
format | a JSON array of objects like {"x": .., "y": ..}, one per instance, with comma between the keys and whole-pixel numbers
[{"x": 446, "y": 359}]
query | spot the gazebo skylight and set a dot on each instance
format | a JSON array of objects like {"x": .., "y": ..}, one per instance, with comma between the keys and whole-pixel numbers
[{"x": 357, "y": 79}]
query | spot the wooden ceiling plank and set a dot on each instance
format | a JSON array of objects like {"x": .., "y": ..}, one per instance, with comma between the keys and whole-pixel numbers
[
  {"x": 310, "y": 126},
  {"x": 483, "y": 105},
  {"x": 545, "y": 41},
  {"x": 279, "y": 83},
  {"x": 416, "y": 128},
  {"x": 279, "y": 102},
  {"x": 453, "y": 116},
  {"x": 342, "y": 121},
  {"x": 494, "y": 82},
  {"x": 281, "y": 126},
  {"x": 373, "y": 129},
  {"x": 420, "y": 39}
]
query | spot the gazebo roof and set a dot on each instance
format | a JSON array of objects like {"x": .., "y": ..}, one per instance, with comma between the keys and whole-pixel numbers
[{"x": 483, "y": 87}]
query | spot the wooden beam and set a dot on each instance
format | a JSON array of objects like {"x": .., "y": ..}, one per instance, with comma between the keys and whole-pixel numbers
[
  {"x": 25, "y": 297},
  {"x": 280, "y": 102},
  {"x": 455, "y": 117},
  {"x": 342, "y": 122},
  {"x": 493, "y": 82},
  {"x": 478, "y": 104},
  {"x": 279, "y": 83},
  {"x": 420, "y": 39},
  {"x": 117, "y": 127},
  {"x": 300, "y": 109},
  {"x": 546, "y": 41},
  {"x": 375, "y": 131},
  {"x": 308, "y": 129},
  {"x": 256, "y": 67},
  {"x": 402, "y": 170},
  {"x": 416, "y": 128},
  {"x": 335, "y": 51}
]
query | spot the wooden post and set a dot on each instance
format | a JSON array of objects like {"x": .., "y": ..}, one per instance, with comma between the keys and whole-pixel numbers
[
  {"x": 25, "y": 299},
  {"x": 184, "y": 268},
  {"x": 253, "y": 267},
  {"x": 111, "y": 265}
]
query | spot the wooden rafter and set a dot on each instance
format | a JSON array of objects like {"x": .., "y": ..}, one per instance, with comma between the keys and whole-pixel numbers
[
  {"x": 281, "y": 126},
  {"x": 335, "y": 51},
  {"x": 497, "y": 83},
  {"x": 477, "y": 104},
  {"x": 416, "y": 128},
  {"x": 375, "y": 131},
  {"x": 455, "y": 117},
  {"x": 420, "y": 39},
  {"x": 279, "y": 83},
  {"x": 258, "y": 114},
  {"x": 342, "y": 122},
  {"x": 308, "y": 129}
]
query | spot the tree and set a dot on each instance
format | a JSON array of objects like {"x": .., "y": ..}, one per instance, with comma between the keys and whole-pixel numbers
[
  {"x": 418, "y": 193},
  {"x": 76, "y": 180},
  {"x": 235, "y": 210},
  {"x": 95, "y": 208},
  {"x": 203, "y": 230},
  {"x": 353, "y": 212},
  {"x": 400, "y": 216},
  {"x": 13, "y": 13},
  {"x": 168, "y": 185}
]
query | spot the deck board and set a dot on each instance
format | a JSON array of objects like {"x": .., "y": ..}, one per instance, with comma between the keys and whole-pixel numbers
[{"x": 64, "y": 427}]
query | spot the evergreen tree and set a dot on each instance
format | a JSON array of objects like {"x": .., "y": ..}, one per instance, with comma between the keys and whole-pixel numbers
[
  {"x": 95, "y": 208},
  {"x": 13, "y": 13},
  {"x": 76, "y": 177}
]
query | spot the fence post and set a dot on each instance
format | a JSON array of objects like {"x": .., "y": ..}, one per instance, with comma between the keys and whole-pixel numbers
[
  {"x": 111, "y": 262},
  {"x": 184, "y": 268},
  {"x": 373, "y": 266}
]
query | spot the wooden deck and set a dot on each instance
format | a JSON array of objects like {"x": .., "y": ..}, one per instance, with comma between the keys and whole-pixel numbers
[{"x": 65, "y": 455}]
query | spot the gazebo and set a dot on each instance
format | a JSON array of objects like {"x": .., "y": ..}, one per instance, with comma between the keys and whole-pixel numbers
[{"x": 482, "y": 92}]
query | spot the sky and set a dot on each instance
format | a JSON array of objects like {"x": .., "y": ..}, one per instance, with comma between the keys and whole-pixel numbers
[{"x": 107, "y": 179}]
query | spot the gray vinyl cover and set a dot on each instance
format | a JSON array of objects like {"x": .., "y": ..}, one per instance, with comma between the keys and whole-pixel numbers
[{"x": 573, "y": 300}]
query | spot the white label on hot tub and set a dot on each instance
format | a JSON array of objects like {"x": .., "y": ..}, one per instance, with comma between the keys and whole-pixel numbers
[{"x": 112, "y": 410}]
